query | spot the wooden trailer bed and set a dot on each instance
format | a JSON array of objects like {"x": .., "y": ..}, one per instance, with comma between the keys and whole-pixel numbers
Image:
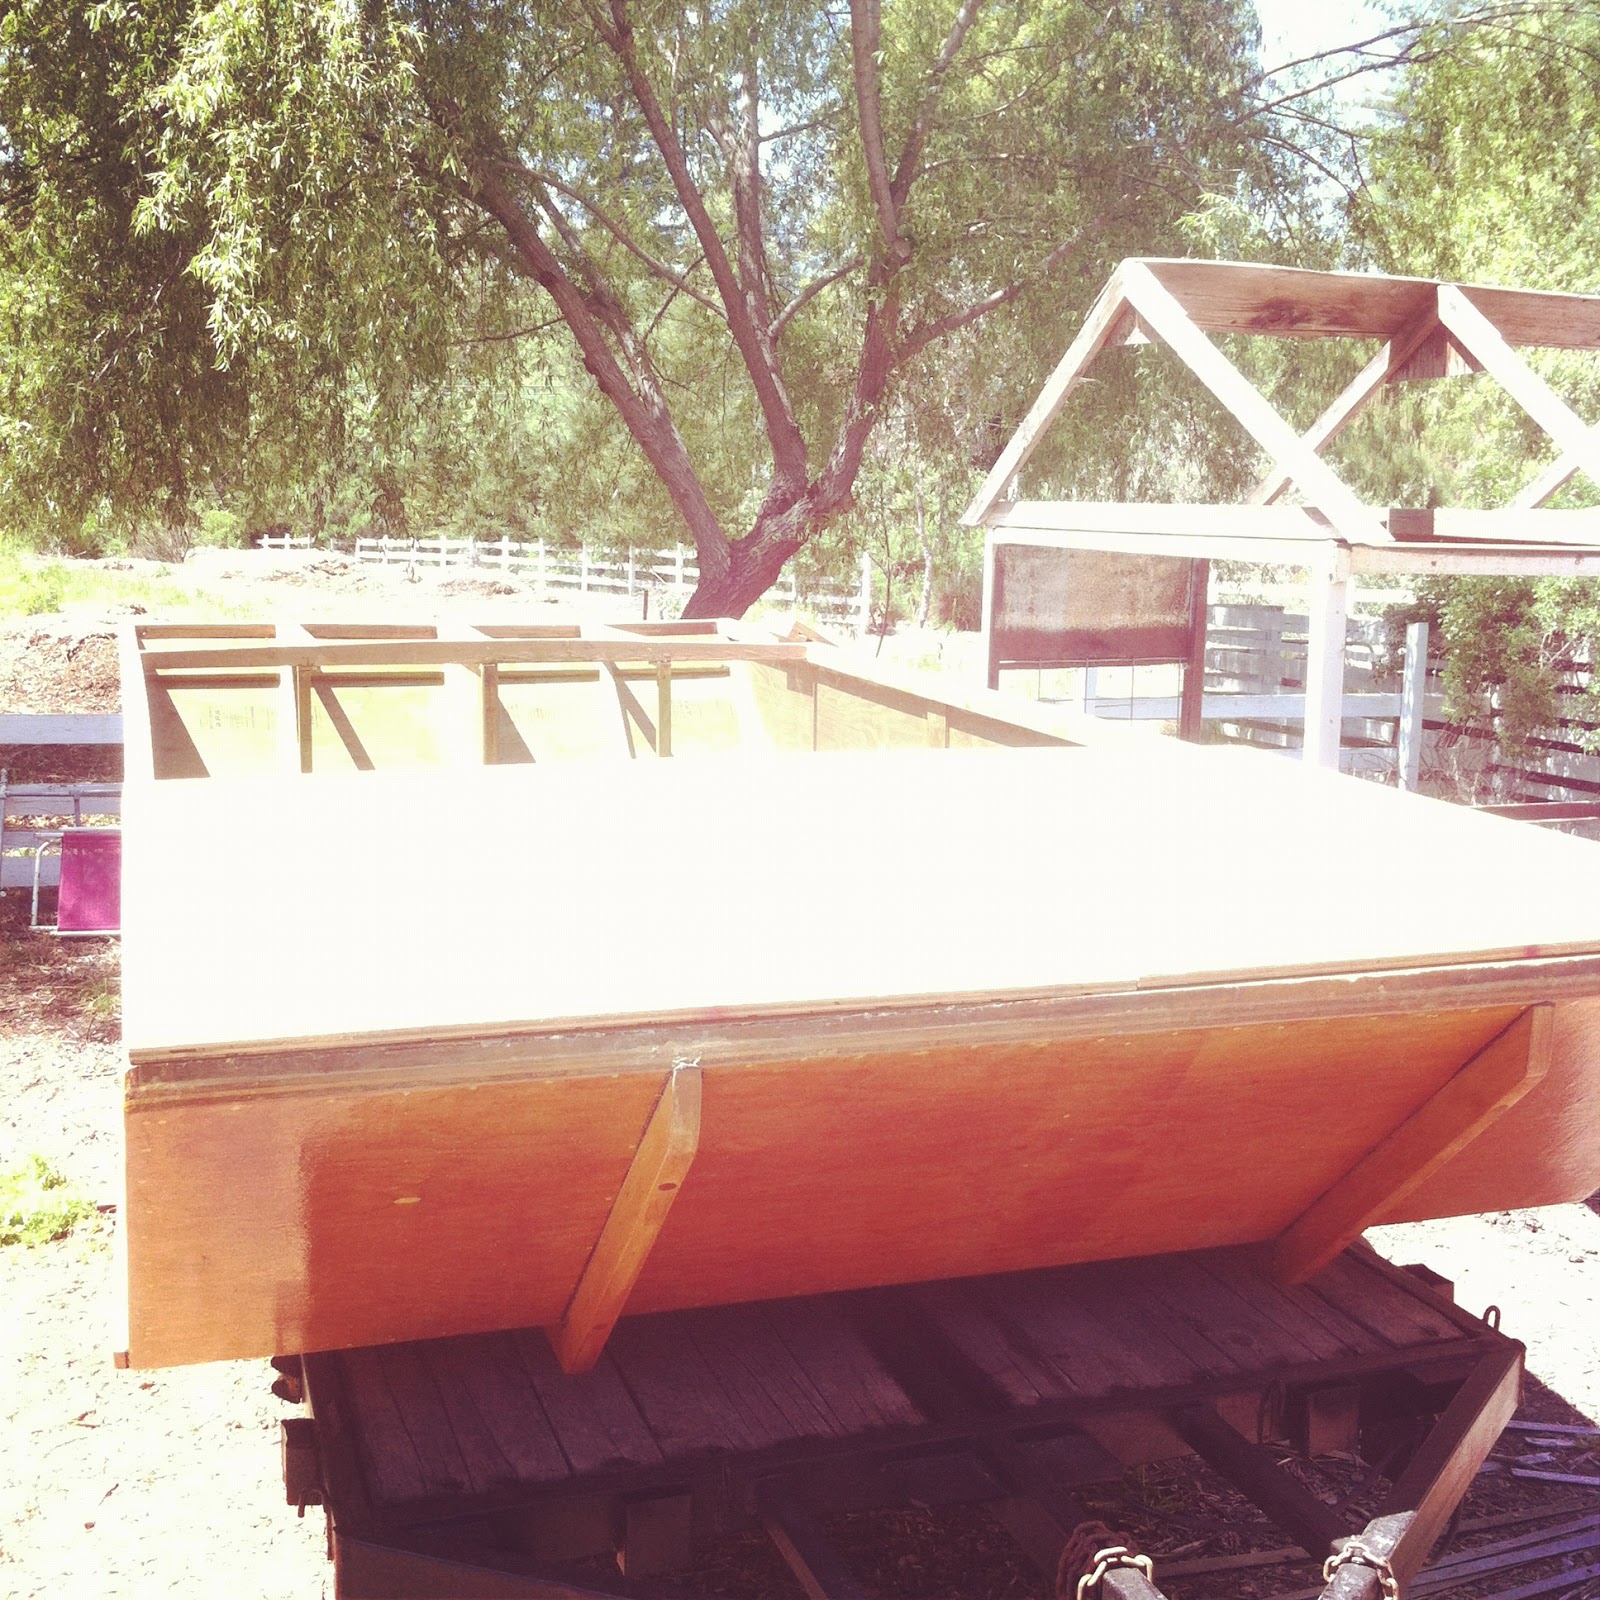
[{"x": 443, "y": 1017}]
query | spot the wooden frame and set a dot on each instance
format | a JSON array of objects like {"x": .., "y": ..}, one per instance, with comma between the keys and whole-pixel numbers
[{"x": 1429, "y": 330}]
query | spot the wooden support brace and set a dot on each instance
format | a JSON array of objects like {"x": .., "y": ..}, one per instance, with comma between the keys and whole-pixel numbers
[
  {"x": 659, "y": 1164},
  {"x": 1290, "y": 453},
  {"x": 612, "y": 688},
  {"x": 294, "y": 704},
  {"x": 1354, "y": 400},
  {"x": 1481, "y": 339},
  {"x": 632, "y": 707},
  {"x": 1493, "y": 1080}
]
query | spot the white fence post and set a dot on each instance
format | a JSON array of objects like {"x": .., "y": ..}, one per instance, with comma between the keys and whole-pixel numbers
[
  {"x": 544, "y": 571},
  {"x": 864, "y": 598},
  {"x": 630, "y": 571},
  {"x": 505, "y": 552},
  {"x": 677, "y": 580},
  {"x": 1413, "y": 686}
]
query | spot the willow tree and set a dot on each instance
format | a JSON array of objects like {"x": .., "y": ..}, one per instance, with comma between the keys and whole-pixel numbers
[{"x": 749, "y": 221}]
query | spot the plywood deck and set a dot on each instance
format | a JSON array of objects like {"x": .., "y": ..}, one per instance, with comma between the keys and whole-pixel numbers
[{"x": 413, "y": 905}]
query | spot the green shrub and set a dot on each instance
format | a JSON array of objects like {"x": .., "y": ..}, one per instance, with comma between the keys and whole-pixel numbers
[{"x": 37, "y": 1204}]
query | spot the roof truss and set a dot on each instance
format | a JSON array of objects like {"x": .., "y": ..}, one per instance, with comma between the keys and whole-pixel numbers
[{"x": 1429, "y": 330}]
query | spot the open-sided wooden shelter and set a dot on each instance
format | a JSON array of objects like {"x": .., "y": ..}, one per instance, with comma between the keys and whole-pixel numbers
[
  {"x": 445, "y": 1016},
  {"x": 1428, "y": 330}
]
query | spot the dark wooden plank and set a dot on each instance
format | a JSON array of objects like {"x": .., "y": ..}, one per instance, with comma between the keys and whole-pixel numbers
[
  {"x": 758, "y": 1373},
  {"x": 966, "y": 1322},
  {"x": 1388, "y": 1309},
  {"x": 1139, "y": 1288},
  {"x": 492, "y": 1403},
  {"x": 826, "y": 1345},
  {"x": 1321, "y": 1326},
  {"x": 1093, "y": 1343},
  {"x": 592, "y": 1415},
  {"x": 1240, "y": 1326},
  {"x": 407, "y": 1446},
  {"x": 676, "y": 1390}
]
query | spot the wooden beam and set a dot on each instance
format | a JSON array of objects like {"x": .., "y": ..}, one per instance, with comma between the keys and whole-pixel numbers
[
  {"x": 1493, "y": 1080},
  {"x": 1483, "y": 339},
  {"x": 612, "y": 689},
  {"x": 1316, "y": 479},
  {"x": 336, "y": 653},
  {"x": 1419, "y": 1506},
  {"x": 294, "y": 702},
  {"x": 1191, "y": 700},
  {"x": 1251, "y": 1469},
  {"x": 1100, "y": 327},
  {"x": 654, "y": 1176},
  {"x": 1580, "y": 528},
  {"x": 1357, "y": 395},
  {"x": 1439, "y": 1474},
  {"x": 663, "y": 708},
  {"x": 1187, "y": 518}
]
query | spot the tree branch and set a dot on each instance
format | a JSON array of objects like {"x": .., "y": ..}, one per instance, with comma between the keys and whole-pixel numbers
[
  {"x": 783, "y": 432},
  {"x": 864, "y": 51},
  {"x": 612, "y": 226},
  {"x": 922, "y": 124},
  {"x": 809, "y": 293}
]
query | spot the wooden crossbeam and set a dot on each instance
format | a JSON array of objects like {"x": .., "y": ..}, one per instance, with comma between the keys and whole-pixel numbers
[
  {"x": 1250, "y": 408},
  {"x": 1486, "y": 1086},
  {"x": 336, "y": 653},
  {"x": 815, "y": 1561},
  {"x": 1358, "y": 394},
  {"x": 1108, "y": 316},
  {"x": 1483, "y": 340},
  {"x": 654, "y": 1176}
]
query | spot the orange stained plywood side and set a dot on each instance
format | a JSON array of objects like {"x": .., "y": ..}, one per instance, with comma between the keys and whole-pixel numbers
[
  {"x": 271, "y": 1222},
  {"x": 946, "y": 1162}
]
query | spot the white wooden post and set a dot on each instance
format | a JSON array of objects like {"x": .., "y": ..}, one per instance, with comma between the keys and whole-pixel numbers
[
  {"x": 1330, "y": 604},
  {"x": 543, "y": 570},
  {"x": 990, "y": 671},
  {"x": 630, "y": 572},
  {"x": 677, "y": 580},
  {"x": 864, "y": 599},
  {"x": 583, "y": 569},
  {"x": 505, "y": 552},
  {"x": 1413, "y": 686}
]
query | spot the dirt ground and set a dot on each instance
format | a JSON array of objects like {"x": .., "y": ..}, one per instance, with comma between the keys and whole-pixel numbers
[{"x": 135, "y": 1484}]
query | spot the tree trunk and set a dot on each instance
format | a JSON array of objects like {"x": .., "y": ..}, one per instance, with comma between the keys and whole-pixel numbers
[
  {"x": 753, "y": 567},
  {"x": 925, "y": 602}
]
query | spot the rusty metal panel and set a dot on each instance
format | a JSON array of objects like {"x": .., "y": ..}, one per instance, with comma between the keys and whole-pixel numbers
[{"x": 1088, "y": 607}]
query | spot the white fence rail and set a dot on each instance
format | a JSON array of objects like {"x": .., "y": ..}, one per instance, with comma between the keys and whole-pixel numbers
[{"x": 669, "y": 576}]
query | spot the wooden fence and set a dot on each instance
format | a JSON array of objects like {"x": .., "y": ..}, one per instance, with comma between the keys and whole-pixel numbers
[{"x": 668, "y": 576}]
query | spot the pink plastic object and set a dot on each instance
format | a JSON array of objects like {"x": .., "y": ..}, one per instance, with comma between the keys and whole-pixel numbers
[{"x": 90, "y": 899}]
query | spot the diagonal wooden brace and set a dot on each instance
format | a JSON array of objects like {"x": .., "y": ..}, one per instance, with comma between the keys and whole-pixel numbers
[
  {"x": 657, "y": 1170},
  {"x": 1491, "y": 1082}
]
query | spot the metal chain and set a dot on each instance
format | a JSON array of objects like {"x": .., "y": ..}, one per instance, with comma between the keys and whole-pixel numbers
[
  {"x": 1354, "y": 1552},
  {"x": 1116, "y": 1555}
]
